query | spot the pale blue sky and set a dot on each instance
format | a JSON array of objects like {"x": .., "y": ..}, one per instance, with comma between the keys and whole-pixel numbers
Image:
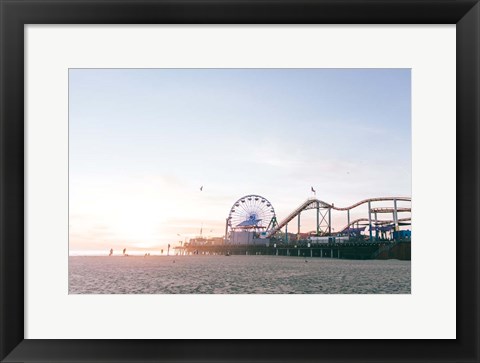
[{"x": 144, "y": 141}]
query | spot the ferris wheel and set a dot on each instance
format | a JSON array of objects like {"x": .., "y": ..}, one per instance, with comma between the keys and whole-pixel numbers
[{"x": 251, "y": 212}]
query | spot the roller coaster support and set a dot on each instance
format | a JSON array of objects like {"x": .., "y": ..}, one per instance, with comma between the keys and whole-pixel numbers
[
  {"x": 348, "y": 221},
  {"x": 370, "y": 219},
  {"x": 376, "y": 229},
  {"x": 395, "y": 214},
  {"x": 329, "y": 221},
  {"x": 298, "y": 229},
  {"x": 286, "y": 233},
  {"x": 318, "y": 217}
]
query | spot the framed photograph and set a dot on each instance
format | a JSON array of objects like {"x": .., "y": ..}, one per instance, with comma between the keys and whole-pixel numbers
[
  {"x": 239, "y": 181},
  {"x": 176, "y": 214}
]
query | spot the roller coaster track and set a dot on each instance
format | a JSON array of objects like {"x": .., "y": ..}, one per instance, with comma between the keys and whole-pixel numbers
[
  {"x": 366, "y": 220},
  {"x": 381, "y": 199},
  {"x": 313, "y": 203},
  {"x": 390, "y": 210}
]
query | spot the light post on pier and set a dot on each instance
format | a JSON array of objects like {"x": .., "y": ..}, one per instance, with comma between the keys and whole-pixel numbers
[{"x": 226, "y": 231}]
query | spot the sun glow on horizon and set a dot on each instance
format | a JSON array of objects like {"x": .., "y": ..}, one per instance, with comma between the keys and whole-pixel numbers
[{"x": 146, "y": 215}]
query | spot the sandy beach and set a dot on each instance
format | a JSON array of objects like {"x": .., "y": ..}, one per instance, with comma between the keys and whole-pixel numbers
[{"x": 236, "y": 275}]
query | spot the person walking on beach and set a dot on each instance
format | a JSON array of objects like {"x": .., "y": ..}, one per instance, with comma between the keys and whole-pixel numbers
[
  {"x": 124, "y": 250},
  {"x": 111, "y": 251}
]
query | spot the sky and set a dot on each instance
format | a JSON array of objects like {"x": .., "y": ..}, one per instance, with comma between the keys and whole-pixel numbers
[{"x": 143, "y": 141}]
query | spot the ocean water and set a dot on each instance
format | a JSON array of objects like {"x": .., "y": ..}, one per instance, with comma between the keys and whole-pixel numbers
[{"x": 236, "y": 275}]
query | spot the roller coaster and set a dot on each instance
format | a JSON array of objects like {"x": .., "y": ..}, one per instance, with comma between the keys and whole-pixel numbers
[
  {"x": 253, "y": 216},
  {"x": 324, "y": 214}
]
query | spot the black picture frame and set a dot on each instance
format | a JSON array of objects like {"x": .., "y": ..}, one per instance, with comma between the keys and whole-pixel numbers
[{"x": 15, "y": 14}]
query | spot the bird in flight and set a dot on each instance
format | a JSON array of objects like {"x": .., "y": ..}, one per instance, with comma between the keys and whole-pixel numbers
[{"x": 201, "y": 188}]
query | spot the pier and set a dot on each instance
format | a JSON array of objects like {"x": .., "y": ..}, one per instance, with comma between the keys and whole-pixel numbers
[
  {"x": 377, "y": 230},
  {"x": 381, "y": 250}
]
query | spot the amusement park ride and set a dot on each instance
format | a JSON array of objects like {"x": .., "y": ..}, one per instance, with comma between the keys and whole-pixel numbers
[
  {"x": 253, "y": 217},
  {"x": 249, "y": 216}
]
